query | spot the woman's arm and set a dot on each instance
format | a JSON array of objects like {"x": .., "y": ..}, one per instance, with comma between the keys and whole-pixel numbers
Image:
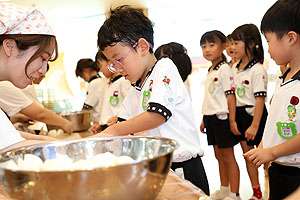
[
  {"x": 36, "y": 112},
  {"x": 142, "y": 122}
]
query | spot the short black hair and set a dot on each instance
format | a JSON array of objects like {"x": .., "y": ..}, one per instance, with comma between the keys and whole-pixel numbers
[
  {"x": 85, "y": 63},
  {"x": 282, "y": 17},
  {"x": 178, "y": 54},
  {"x": 213, "y": 37},
  {"x": 100, "y": 56},
  {"x": 125, "y": 25}
]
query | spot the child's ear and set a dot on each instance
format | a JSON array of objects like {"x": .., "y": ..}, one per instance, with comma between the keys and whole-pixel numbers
[
  {"x": 292, "y": 37},
  {"x": 8, "y": 46},
  {"x": 144, "y": 46}
]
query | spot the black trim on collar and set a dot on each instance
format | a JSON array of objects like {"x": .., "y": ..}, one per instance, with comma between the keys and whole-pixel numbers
[
  {"x": 160, "y": 109},
  {"x": 249, "y": 65},
  {"x": 217, "y": 66},
  {"x": 283, "y": 76},
  {"x": 87, "y": 106},
  {"x": 94, "y": 77},
  {"x": 138, "y": 83},
  {"x": 115, "y": 78},
  {"x": 295, "y": 77}
]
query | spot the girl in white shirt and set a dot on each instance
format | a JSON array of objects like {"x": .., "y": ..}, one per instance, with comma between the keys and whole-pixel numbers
[{"x": 219, "y": 113}]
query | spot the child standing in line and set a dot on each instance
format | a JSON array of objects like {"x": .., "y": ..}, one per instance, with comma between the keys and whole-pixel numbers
[
  {"x": 229, "y": 50},
  {"x": 159, "y": 105},
  {"x": 88, "y": 70},
  {"x": 281, "y": 139},
  {"x": 251, "y": 92},
  {"x": 113, "y": 95},
  {"x": 219, "y": 113}
]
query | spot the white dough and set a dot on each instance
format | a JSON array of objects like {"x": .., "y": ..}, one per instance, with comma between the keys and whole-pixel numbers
[
  {"x": 81, "y": 165},
  {"x": 121, "y": 160},
  {"x": 104, "y": 160},
  {"x": 9, "y": 165}
]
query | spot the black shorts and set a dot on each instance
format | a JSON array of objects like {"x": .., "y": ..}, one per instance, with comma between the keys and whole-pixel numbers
[
  {"x": 283, "y": 180},
  {"x": 194, "y": 171},
  {"x": 218, "y": 132},
  {"x": 244, "y": 120}
]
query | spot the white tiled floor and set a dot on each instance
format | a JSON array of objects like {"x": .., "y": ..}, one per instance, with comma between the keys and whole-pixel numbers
[{"x": 211, "y": 167}]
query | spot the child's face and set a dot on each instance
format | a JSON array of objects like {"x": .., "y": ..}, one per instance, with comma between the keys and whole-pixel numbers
[
  {"x": 37, "y": 68},
  {"x": 239, "y": 49},
  {"x": 103, "y": 68},
  {"x": 278, "y": 48},
  {"x": 229, "y": 49},
  {"x": 212, "y": 51},
  {"x": 127, "y": 61}
]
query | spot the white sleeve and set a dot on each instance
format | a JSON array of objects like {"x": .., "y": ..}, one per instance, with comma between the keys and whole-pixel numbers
[
  {"x": 167, "y": 86},
  {"x": 12, "y": 99},
  {"x": 94, "y": 91},
  {"x": 8, "y": 134},
  {"x": 260, "y": 81},
  {"x": 226, "y": 78}
]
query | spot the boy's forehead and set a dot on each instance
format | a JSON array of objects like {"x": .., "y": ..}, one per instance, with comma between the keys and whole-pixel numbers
[{"x": 112, "y": 51}]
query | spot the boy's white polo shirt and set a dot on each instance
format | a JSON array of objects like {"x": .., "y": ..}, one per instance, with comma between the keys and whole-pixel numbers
[
  {"x": 8, "y": 134},
  {"x": 113, "y": 97},
  {"x": 94, "y": 96},
  {"x": 164, "y": 92},
  {"x": 283, "y": 120},
  {"x": 12, "y": 99},
  {"x": 251, "y": 82},
  {"x": 218, "y": 84}
]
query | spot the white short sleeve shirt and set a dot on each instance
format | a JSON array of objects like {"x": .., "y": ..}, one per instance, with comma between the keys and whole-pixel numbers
[
  {"x": 12, "y": 99},
  {"x": 218, "y": 84},
  {"x": 8, "y": 134},
  {"x": 250, "y": 82},
  {"x": 283, "y": 122},
  {"x": 113, "y": 97},
  {"x": 164, "y": 92},
  {"x": 94, "y": 97}
]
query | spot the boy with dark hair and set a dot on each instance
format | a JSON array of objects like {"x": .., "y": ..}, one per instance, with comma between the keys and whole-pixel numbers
[
  {"x": 159, "y": 105},
  {"x": 281, "y": 139}
]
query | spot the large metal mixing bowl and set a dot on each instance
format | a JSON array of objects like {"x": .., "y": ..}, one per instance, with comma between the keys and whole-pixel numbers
[
  {"x": 81, "y": 120},
  {"x": 142, "y": 179}
]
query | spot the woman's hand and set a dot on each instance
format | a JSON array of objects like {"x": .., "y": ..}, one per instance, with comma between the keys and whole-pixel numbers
[
  {"x": 67, "y": 126},
  {"x": 112, "y": 120}
]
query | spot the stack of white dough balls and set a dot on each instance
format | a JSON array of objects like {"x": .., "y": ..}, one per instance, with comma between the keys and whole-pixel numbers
[{"x": 34, "y": 163}]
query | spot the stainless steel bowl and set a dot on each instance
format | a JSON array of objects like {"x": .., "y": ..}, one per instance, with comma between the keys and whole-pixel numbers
[
  {"x": 142, "y": 179},
  {"x": 81, "y": 120}
]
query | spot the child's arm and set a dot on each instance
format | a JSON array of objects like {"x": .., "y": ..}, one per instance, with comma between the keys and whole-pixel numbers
[
  {"x": 232, "y": 111},
  {"x": 258, "y": 111},
  {"x": 260, "y": 156},
  {"x": 144, "y": 121}
]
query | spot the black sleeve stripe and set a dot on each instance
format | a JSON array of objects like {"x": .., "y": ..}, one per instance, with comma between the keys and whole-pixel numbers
[
  {"x": 87, "y": 106},
  {"x": 229, "y": 92},
  {"x": 121, "y": 119},
  {"x": 260, "y": 94},
  {"x": 160, "y": 109}
]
